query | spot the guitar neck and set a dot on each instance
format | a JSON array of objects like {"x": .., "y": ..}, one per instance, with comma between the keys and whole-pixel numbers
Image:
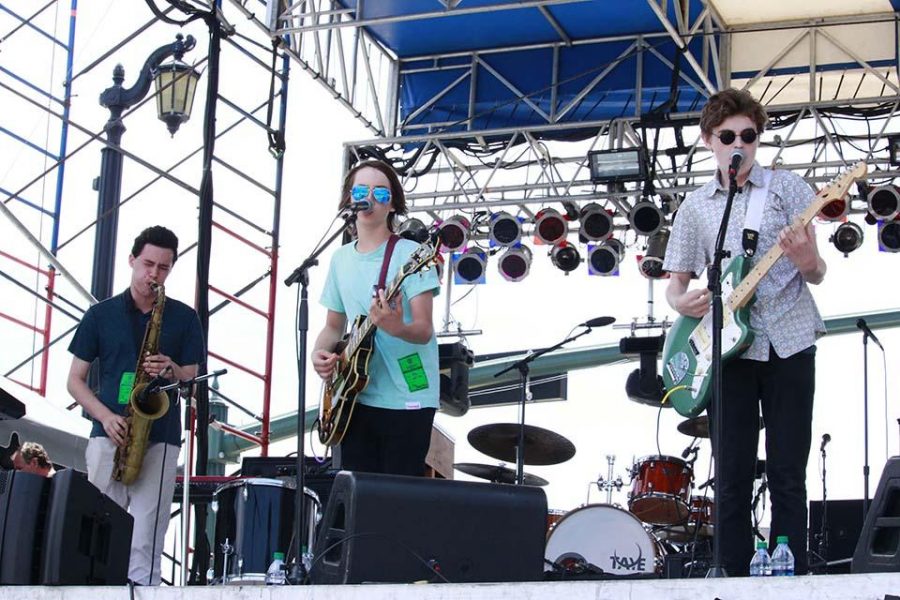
[
  {"x": 747, "y": 287},
  {"x": 366, "y": 327}
]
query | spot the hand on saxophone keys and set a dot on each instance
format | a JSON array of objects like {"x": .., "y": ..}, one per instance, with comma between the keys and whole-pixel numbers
[
  {"x": 116, "y": 428},
  {"x": 157, "y": 364}
]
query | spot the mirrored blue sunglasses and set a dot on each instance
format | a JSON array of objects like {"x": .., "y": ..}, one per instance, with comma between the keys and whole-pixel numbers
[{"x": 381, "y": 194}]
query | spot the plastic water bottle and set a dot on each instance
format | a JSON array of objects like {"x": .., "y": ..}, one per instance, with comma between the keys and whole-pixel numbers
[
  {"x": 782, "y": 558},
  {"x": 275, "y": 574},
  {"x": 761, "y": 565}
]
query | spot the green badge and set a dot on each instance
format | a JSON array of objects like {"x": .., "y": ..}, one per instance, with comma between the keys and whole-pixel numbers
[
  {"x": 413, "y": 372},
  {"x": 125, "y": 385}
]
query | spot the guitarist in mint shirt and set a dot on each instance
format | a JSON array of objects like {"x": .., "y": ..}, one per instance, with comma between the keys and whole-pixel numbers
[
  {"x": 390, "y": 428},
  {"x": 777, "y": 372}
]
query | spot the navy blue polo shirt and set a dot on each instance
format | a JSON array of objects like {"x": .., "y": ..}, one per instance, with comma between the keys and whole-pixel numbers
[{"x": 113, "y": 331}]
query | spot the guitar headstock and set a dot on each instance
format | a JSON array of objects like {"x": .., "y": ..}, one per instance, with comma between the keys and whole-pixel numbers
[
  {"x": 837, "y": 187},
  {"x": 421, "y": 258}
]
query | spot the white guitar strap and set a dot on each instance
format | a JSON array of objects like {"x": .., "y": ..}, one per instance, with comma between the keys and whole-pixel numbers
[{"x": 753, "y": 218}]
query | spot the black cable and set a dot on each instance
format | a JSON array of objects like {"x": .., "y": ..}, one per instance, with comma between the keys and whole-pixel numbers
[{"x": 431, "y": 565}]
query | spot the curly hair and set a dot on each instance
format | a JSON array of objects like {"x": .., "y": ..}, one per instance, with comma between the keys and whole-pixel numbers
[
  {"x": 33, "y": 450},
  {"x": 729, "y": 103}
]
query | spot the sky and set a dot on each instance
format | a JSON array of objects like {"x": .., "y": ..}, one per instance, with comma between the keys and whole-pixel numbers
[{"x": 539, "y": 311}]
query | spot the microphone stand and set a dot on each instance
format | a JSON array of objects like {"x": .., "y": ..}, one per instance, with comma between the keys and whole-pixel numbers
[
  {"x": 523, "y": 367},
  {"x": 714, "y": 276},
  {"x": 823, "y": 531},
  {"x": 184, "y": 390},
  {"x": 297, "y": 570},
  {"x": 865, "y": 341}
]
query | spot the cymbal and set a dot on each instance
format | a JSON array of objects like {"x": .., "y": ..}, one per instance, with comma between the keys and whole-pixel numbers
[
  {"x": 696, "y": 427},
  {"x": 498, "y": 473},
  {"x": 541, "y": 446},
  {"x": 699, "y": 426}
]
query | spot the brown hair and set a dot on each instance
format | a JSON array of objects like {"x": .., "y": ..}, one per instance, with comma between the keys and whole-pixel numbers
[
  {"x": 32, "y": 450},
  {"x": 729, "y": 103},
  {"x": 398, "y": 196}
]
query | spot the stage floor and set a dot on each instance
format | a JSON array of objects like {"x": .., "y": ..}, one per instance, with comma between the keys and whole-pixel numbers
[{"x": 821, "y": 587}]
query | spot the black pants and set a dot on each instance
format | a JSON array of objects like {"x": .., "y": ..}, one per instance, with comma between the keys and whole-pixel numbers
[
  {"x": 784, "y": 388},
  {"x": 381, "y": 440}
]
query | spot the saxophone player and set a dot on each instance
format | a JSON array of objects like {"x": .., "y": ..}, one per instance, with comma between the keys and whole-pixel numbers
[{"x": 113, "y": 331}]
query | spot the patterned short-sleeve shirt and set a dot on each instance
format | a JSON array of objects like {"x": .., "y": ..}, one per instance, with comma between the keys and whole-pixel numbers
[{"x": 784, "y": 314}]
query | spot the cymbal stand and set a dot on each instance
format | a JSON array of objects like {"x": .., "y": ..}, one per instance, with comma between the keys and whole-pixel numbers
[
  {"x": 609, "y": 484},
  {"x": 523, "y": 366}
]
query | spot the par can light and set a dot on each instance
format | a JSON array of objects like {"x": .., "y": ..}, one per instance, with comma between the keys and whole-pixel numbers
[{"x": 515, "y": 263}]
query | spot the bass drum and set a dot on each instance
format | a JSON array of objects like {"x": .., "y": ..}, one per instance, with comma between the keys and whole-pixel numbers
[
  {"x": 255, "y": 519},
  {"x": 602, "y": 539}
]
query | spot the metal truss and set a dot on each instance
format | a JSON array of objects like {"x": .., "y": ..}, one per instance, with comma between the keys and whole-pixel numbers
[
  {"x": 241, "y": 287},
  {"x": 18, "y": 140}
]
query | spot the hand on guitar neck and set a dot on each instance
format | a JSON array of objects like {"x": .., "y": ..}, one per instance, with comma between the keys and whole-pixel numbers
[{"x": 798, "y": 242}]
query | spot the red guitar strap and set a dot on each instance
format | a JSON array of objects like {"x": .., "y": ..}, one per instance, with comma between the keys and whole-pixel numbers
[{"x": 388, "y": 251}]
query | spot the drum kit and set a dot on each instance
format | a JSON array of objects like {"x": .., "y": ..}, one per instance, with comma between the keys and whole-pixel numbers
[{"x": 662, "y": 517}]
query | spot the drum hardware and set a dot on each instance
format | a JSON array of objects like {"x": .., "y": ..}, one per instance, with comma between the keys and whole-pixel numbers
[
  {"x": 498, "y": 473},
  {"x": 609, "y": 484},
  {"x": 520, "y": 447},
  {"x": 661, "y": 489},
  {"x": 540, "y": 446}
]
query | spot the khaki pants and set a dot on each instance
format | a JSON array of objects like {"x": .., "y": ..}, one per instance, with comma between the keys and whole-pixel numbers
[{"x": 148, "y": 500}]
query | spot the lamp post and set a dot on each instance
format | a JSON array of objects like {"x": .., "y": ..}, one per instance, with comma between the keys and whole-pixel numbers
[{"x": 176, "y": 83}]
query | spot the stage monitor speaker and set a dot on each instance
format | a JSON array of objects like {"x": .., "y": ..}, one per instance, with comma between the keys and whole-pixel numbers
[
  {"x": 878, "y": 550},
  {"x": 23, "y": 504},
  {"x": 87, "y": 539},
  {"x": 844, "y": 524},
  {"x": 387, "y": 528}
]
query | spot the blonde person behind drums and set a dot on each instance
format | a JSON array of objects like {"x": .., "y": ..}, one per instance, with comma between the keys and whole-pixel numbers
[{"x": 112, "y": 332}]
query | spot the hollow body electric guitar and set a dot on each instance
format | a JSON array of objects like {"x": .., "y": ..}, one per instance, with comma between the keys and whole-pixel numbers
[
  {"x": 687, "y": 355},
  {"x": 351, "y": 373}
]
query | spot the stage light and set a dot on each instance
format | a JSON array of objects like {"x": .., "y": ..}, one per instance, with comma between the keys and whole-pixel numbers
[
  {"x": 505, "y": 229},
  {"x": 847, "y": 237},
  {"x": 620, "y": 164},
  {"x": 470, "y": 266},
  {"x": 413, "y": 229},
  {"x": 651, "y": 265},
  {"x": 646, "y": 218},
  {"x": 596, "y": 223},
  {"x": 884, "y": 202},
  {"x": 454, "y": 233},
  {"x": 889, "y": 236},
  {"x": 515, "y": 263},
  {"x": 550, "y": 227},
  {"x": 603, "y": 259},
  {"x": 565, "y": 256}
]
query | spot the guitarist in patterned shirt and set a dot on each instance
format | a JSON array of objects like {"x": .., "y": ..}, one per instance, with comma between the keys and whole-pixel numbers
[
  {"x": 777, "y": 372},
  {"x": 390, "y": 428}
]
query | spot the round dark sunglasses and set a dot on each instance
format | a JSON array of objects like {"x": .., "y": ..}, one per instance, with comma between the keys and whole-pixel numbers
[{"x": 727, "y": 136}]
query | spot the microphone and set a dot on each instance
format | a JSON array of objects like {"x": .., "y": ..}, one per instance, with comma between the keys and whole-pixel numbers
[
  {"x": 737, "y": 157},
  {"x": 689, "y": 450},
  {"x": 861, "y": 324},
  {"x": 825, "y": 439},
  {"x": 598, "y": 322},
  {"x": 358, "y": 206}
]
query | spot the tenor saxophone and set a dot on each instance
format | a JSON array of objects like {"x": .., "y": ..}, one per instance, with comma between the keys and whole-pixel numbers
[{"x": 142, "y": 408}]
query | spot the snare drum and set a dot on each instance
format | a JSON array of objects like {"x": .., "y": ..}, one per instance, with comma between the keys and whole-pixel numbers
[
  {"x": 603, "y": 537},
  {"x": 254, "y": 519},
  {"x": 660, "y": 490},
  {"x": 699, "y": 524}
]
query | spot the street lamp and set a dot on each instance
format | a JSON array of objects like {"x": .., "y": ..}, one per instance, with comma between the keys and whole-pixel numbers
[{"x": 176, "y": 83}]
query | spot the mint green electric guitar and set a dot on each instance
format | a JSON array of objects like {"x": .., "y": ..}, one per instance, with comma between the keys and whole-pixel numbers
[{"x": 687, "y": 355}]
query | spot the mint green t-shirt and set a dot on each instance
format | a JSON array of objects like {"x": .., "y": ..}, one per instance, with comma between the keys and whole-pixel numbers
[{"x": 402, "y": 375}]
